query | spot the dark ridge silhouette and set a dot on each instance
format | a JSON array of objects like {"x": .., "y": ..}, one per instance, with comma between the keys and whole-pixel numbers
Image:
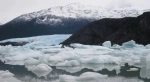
[{"x": 117, "y": 31}]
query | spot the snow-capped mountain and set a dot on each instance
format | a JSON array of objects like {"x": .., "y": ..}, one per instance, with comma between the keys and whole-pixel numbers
[
  {"x": 77, "y": 10},
  {"x": 61, "y": 20}
]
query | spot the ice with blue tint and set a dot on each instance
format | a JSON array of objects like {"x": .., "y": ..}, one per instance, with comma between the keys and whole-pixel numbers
[
  {"x": 46, "y": 50},
  {"x": 41, "y": 40},
  {"x": 107, "y": 44}
]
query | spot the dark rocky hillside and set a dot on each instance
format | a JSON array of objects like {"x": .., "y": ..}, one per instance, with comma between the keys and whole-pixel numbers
[{"x": 117, "y": 31}]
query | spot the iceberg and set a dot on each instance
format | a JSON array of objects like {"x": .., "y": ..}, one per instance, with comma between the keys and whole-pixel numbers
[
  {"x": 46, "y": 50},
  {"x": 41, "y": 70},
  {"x": 145, "y": 69},
  {"x": 107, "y": 44},
  {"x": 85, "y": 77},
  {"x": 6, "y": 74}
]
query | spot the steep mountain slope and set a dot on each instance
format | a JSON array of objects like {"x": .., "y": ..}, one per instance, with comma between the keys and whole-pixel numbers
[
  {"x": 59, "y": 20},
  {"x": 117, "y": 31}
]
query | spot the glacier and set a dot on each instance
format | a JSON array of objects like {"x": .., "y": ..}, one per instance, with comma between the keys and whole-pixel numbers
[{"x": 42, "y": 52}]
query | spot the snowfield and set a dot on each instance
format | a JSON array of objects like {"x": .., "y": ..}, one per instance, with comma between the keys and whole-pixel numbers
[{"x": 44, "y": 51}]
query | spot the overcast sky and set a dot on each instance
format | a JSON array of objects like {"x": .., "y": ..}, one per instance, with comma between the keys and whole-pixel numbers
[{"x": 10, "y": 9}]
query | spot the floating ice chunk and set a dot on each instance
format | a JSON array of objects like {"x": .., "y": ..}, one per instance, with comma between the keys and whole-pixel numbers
[
  {"x": 148, "y": 46},
  {"x": 118, "y": 71},
  {"x": 143, "y": 72},
  {"x": 143, "y": 61},
  {"x": 38, "y": 60},
  {"x": 105, "y": 59},
  {"x": 69, "y": 55},
  {"x": 53, "y": 60},
  {"x": 67, "y": 78},
  {"x": 80, "y": 46},
  {"x": 55, "y": 50},
  {"x": 116, "y": 47},
  {"x": 70, "y": 69},
  {"x": 95, "y": 67},
  {"x": 41, "y": 70},
  {"x": 85, "y": 77},
  {"x": 94, "y": 60},
  {"x": 43, "y": 59},
  {"x": 31, "y": 61},
  {"x": 133, "y": 69},
  {"x": 10, "y": 79},
  {"x": 69, "y": 63},
  {"x": 148, "y": 72},
  {"x": 6, "y": 74},
  {"x": 107, "y": 44},
  {"x": 129, "y": 44},
  {"x": 90, "y": 77},
  {"x": 148, "y": 63},
  {"x": 148, "y": 69},
  {"x": 132, "y": 44}
]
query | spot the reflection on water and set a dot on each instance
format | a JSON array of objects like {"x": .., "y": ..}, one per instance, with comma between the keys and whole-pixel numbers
[{"x": 116, "y": 73}]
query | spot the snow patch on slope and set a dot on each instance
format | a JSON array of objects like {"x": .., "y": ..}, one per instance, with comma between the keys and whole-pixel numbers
[{"x": 77, "y": 10}]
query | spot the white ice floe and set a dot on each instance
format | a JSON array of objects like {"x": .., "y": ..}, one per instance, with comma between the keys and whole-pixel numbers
[
  {"x": 90, "y": 77},
  {"x": 145, "y": 69},
  {"x": 41, "y": 70},
  {"x": 133, "y": 69},
  {"x": 67, "y": 63},
  {"x": 5, "y": 74},
  {"x": 40, "y": 49},
  {"x": 45, "y": 49},
  {"x": 85, "y": 77}
]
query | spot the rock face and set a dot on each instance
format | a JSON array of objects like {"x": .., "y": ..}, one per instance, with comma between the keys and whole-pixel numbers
[{"x": 117, "y": 31}]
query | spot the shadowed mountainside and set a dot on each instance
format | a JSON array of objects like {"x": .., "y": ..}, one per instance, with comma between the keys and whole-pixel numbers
[
  {"x": 117, "y": 31},
  {"x": 31, "y": 28}
]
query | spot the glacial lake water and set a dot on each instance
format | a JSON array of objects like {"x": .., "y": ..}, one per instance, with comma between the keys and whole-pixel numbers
[{"x": 21, "y": 74}]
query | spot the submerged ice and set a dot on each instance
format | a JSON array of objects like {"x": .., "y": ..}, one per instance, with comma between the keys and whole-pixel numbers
[{"x": 44, "y": 51}]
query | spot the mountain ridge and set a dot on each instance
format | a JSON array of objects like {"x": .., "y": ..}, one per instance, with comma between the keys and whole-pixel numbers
[
  {"x": 77, "y": 10},
  {"x": 59, "y": 20}
]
